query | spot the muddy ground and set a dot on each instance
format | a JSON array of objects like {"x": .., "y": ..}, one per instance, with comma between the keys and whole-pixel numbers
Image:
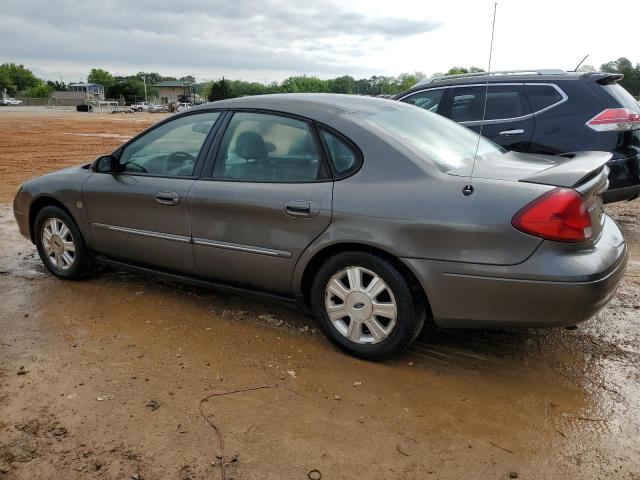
[{"x": 103, "y": 378}]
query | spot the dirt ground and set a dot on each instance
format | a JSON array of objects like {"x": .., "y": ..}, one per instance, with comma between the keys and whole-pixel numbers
[{"x": 104, "y": 378}]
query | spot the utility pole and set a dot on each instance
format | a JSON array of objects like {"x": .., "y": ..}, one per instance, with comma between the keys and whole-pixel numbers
[{"x": 144, "y": 79}]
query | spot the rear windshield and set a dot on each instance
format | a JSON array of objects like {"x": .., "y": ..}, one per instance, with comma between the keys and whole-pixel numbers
[
  {"x": 433, "y": 137},
  {"x": 624, "y": 98}
]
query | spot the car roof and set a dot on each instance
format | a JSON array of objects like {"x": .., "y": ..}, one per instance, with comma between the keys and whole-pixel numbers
[
  {"x": 534, "y": 76},
  {"x": 311, "y": 105}
]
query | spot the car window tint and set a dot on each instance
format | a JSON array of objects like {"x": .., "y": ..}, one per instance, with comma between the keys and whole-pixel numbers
[
  {"x": 504, "y": 102},
  {"x": 429, "y": 100},
  {"x": 170, "y": 149},
  {"x": 267, "y": 148},
  {"x": 542, "y": 96},
  {"x": 342, "y": 156}
]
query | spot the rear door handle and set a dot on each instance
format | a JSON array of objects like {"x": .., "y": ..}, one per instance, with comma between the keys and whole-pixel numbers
[
  {"x": 299, "y": 208},
  {"x": 168, "y": 198},
  {"x": 511, "y": 133}
]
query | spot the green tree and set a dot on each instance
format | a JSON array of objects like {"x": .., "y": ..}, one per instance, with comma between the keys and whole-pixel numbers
[
  {"x": 129, "y": 89},
  {"x": 17, "y": 78},
  {"x": 220, "y": 90},
  {"x": 344, "y": 84},
  {"x": 101, "y": 77},
  {"x": 463, "y": 70},
  {"x": 302, "y": 83},
  {"x": 408, "y": 80},
  {"x": 631, "y": 80},
  {"x": 42, "y": 90},
  {"x": 57, "y": 86}
]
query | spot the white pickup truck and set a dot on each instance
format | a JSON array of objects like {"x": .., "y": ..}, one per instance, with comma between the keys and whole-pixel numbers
[{"x": 140, "y": 107}]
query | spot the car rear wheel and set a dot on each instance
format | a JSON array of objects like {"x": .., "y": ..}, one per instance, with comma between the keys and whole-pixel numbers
[
  {"x": 365, "y": 305},
  {"x": 60, "y": 244}
]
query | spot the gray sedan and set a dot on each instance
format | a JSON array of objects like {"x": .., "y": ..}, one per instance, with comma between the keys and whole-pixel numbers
[{"x": 362, "y": 208}]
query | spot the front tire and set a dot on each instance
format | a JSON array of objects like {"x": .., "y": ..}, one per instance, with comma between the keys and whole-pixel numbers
[
  {"x": 366, "y": 306},
  {"x": 60, "y": 244}
]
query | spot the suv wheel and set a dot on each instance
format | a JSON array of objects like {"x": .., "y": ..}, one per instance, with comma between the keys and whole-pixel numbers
[
  {"x": 60, "y": 244},
  {"x": 365, "y": 306}
]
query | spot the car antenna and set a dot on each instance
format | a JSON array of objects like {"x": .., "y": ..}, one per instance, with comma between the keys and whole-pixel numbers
[
  {"x": 581, "y": 62},
  {"x": 468, "y": 189}
]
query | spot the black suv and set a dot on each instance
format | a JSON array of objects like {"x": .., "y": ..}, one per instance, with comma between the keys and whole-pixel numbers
[{"x": 545, "y": 111}]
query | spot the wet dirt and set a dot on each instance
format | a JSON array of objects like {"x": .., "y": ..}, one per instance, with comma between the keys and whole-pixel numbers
[{"x": 103, "y": 378}]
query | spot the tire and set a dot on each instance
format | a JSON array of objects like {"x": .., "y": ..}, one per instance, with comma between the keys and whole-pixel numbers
[
  {"x": 372, "y": 336},
  {"x": 49, "y": 250}
]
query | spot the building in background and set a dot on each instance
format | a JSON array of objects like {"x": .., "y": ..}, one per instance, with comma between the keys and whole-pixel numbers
[
  {"x": 91, "y": 91},
  {"x": 176, "y": 91}
]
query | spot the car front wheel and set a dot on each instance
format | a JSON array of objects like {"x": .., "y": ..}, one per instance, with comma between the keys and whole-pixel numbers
[
  {"x": 60, "y": 244},
  {"x": 365, "y": 305}
]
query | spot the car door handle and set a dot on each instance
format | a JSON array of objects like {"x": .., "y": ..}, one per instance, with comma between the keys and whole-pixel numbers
[
  {"x": 302, "y": 209},
  {"x": 167, "y": 198},
  {"x": 511, "y": 133}
]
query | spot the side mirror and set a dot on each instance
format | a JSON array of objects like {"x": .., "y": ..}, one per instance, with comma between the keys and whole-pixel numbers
[{"x": 105, "y": 164}]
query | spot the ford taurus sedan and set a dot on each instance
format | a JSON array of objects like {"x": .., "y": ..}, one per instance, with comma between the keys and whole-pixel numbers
[{"x": 357, "y": 206}]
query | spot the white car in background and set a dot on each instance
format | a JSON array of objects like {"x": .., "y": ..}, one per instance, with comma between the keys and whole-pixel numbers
[
  {"x": 181, "y": 107},
  {"x": 10, "y": 101}
]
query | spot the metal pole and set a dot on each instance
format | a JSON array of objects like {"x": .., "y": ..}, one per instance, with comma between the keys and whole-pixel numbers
[{"x": 144, "y": 79}]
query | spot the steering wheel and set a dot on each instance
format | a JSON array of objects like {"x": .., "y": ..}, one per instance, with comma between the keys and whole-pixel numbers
[{"x": 178, "y": 160}]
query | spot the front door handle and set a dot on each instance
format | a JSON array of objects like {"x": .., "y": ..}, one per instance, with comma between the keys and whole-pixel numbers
[
  {"x": 168, "y": 198},
  {"x": 511, "y": 133},
  {"x": 304, "y": 208}
]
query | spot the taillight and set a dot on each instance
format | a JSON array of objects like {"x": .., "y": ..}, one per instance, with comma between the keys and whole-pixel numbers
[
  {"x": 560, "y": 215},
  {"x": 615, "y": 119}
]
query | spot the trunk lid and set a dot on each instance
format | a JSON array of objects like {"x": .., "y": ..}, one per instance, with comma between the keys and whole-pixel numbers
[{"x": 585, "y": 172}]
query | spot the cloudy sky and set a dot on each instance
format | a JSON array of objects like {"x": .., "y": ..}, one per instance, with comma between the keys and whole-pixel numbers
[{"x": 269, "y": 40}]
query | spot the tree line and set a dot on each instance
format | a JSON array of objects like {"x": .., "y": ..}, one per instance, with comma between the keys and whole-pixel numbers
[{"x": 18, "y": 80}]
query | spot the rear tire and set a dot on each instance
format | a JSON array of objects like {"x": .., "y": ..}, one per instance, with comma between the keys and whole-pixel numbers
[
  {"x": 365, "y": 305},
  {"x": 60, "y": 244}
]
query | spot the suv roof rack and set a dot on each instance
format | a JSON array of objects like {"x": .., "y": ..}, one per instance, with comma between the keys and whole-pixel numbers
[{"x": 549, "y": 71}]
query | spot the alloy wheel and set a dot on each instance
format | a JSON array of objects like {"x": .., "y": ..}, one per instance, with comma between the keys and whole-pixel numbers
[
  {"x": 58, "y": 245},
  {"x": 361, "y": 305}
]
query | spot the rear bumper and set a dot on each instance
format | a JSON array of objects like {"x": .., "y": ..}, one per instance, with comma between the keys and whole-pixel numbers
[{"x": 558, "y": 285}]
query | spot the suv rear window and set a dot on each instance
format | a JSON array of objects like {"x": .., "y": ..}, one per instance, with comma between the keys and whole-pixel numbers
[
  {"x": 542, "y": 96},
  {"x": 624, "y": 98}
]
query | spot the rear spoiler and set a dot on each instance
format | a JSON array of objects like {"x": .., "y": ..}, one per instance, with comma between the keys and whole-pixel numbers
[
  {"x": 577, "y": 169},
  {"x": 603, "y": 78}
]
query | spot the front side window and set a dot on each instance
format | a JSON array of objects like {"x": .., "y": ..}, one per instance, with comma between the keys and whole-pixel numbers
[
  {"x": 504, "y": 102},
  {"x": 429, "y": 99},
  {"x": 170, "y": 149},
  {"x": 433, "y": 137},
  {"x": 258, "y": 147},
  {"x": 341, "y": 155}
]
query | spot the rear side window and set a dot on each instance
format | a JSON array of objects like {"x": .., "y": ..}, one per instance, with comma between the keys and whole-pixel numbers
[
  {"x": 542, "y": 96},
  {"x": 343, "y": 158},
  {"x": 258, "y": 147},
  {"x": 429, "y": 99},
  {"x": 504, "y": 102}
]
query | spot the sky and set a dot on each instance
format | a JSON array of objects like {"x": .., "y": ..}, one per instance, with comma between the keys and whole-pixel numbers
[{"x": 269, "y": 40}]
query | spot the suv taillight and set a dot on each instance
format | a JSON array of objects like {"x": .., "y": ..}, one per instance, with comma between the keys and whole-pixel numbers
[
  {"x": 615, "y": 119},
  {"x": 559, "y": 215}
]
